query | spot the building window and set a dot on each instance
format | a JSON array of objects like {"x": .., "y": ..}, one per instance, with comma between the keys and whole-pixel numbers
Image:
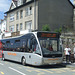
[
  {"x": 28, "y": 25},
  {"x": 12, "y": 28},
  {"x": 12, "y": 17},
  {"x": 21, "y": 14},
  {"x": 21, "y": 26},
  {"x": 28, "y": 11},
  {"x": 17, "y": 27},
  {"x": 17, "y": 15}
]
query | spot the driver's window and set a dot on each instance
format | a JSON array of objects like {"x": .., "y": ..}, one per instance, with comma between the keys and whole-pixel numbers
[{"x": 35, "y": 46}]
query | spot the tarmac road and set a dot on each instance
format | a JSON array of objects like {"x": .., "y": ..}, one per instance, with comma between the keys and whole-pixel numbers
[{"x": 14, "y": 68}]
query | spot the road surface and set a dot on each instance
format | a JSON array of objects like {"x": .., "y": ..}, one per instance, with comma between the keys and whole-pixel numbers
[{"x": 14, "y": 68}]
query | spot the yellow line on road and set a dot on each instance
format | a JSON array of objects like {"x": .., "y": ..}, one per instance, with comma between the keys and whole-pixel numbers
[
  {"x": 2, "y": 73},
  {"x": 58, "y": 70},
  {"x": 47, "y": 71},
  {"x": 41, "y": 73},
  {"x": 33, "y": 70},
  {"x": 37, "y": 70},
  {"x": 73, "y": 70},
  {"x": 29, "y": 70}
]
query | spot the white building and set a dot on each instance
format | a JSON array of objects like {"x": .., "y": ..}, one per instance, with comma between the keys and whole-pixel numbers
[{"x": 2, "y": 28}]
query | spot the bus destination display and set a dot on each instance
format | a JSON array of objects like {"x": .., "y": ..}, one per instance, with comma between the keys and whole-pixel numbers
[{"x": 50, "y": 35}]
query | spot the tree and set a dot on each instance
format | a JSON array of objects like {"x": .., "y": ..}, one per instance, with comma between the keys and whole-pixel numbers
[
  {"x": 46, "y": 28},
  {"x": 58, "y": 30}
]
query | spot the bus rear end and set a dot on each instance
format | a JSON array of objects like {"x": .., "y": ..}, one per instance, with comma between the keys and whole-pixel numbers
[{"x": 51, "y": 48}]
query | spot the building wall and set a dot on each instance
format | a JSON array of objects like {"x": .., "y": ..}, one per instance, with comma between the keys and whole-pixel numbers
[
  {"x": 24, "y": 19},
  {"x": 74, "y": 15},
  {"x": 74, "y": 19},
  {"x": 56, "y": 13}
]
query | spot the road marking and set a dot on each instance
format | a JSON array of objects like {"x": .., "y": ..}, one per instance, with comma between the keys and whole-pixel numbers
[
  {"x": 2, "y": 73},
  {"x": 16, "y": 70},
  {"x": 41, "y": 73},
  {"x": 1, "y": 64},
  {"x": 58, "y": 70},
  {"x": 29, "y": 70},
  {"x": 47, "y": 71}
]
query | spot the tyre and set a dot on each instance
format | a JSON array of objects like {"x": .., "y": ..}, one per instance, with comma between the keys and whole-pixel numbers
[
  {"x": 3, "y": 58},
  {"x": 23, "y": 61}
]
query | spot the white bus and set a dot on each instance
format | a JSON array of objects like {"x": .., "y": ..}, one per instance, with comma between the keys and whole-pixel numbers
[{"x": 34, "y": 48}]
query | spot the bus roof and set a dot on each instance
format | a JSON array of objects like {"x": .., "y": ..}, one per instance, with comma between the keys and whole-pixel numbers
[{"x": 35, "y": 32}]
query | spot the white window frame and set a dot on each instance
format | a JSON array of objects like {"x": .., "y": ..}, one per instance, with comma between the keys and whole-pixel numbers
[
  {"x": 17, "y": 15},
  {"x": 17, "y": 27},
  {"x": 28, "y": 11},
  {"x": 21, "y": 14},
  {"x": 21, "y": 26},
  {"x": 12, "y": 17},
  {"x": 12, "y": 28},
  {"x": 28, "y": 25}
]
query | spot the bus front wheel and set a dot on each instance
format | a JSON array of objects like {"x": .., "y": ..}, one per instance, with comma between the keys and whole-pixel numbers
[{"x": 23, "y": 61}]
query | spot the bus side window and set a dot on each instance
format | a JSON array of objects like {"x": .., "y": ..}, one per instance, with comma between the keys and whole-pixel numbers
[
  {"x": 17, "y": 45},
  {"x": 7, "y": 45},
  {"x": 3, "y": 45},
  {"x": 23, "y": 45},
  {"x": 33, "y": 44}
]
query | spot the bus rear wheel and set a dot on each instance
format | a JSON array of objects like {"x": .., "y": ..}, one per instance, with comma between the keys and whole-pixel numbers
[
  {"x": 3, "y": 58},
  {"x": 23, "y": 61}
]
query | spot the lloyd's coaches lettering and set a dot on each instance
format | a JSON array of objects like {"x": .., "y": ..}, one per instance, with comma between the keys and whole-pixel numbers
[{"x": 13, "y": 54}]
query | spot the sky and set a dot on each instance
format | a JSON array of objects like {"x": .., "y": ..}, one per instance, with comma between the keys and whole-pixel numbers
[{"x": 5, "y": 5}]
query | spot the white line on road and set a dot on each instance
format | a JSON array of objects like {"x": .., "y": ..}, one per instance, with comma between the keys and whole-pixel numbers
[
  {"x": 1, "y": 64},
  {"x": 16, "y": 70}
]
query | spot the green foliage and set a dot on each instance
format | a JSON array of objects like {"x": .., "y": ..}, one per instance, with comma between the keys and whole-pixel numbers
[
  {"x": 58, "y": 30},
  {"x": 46, "y": 28}
]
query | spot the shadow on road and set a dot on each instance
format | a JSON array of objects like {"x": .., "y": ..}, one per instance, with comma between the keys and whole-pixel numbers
[
  {"x": 40, "y": 67},
  {"x": 49, "y": 66}
]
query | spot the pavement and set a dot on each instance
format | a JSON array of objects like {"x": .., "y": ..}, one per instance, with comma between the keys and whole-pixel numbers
[{"x": 69, "y": 65}]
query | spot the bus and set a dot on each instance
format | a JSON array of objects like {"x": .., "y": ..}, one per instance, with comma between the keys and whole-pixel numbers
[
  {"x": 0, "y": 50},
  {"x": 34, "y": 48}
]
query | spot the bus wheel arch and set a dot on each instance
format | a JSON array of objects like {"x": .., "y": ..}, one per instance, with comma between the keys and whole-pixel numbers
[{"x": 23, "y": 61}]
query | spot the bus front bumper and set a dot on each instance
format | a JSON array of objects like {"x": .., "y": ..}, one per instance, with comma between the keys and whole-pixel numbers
[{"x": 52, "y": 61}]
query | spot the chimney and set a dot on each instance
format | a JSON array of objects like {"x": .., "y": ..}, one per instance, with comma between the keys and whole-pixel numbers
[{"x": 1, "y": 20}]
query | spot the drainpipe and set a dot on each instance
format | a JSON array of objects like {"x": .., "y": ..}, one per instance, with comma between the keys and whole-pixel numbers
[{"x": 34, "y": 14}]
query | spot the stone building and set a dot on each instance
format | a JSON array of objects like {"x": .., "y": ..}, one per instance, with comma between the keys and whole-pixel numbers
[{"x": 26, "y": 15}]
